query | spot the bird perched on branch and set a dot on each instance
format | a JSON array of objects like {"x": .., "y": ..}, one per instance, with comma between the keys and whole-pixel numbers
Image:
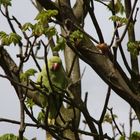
[{"x": 52, "y": 79}]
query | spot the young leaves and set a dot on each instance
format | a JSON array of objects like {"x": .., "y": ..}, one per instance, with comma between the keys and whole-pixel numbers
[
  {"x": 30, "y": 72},
  {"x": 76, "y": 37},
  {"x": 27, "y": 26},
  {"x": 135, "y": 136},
  {"x": 41, "y": 28},
  {"x": 10, "y": 137},
  {"x": 121, "y": 21},
  {"x": 134, "y": 47},
  {"x": 61, "y": 43},
  {"x": 45, "y": 16},
  {"x": 117, "y": 7},
  {"x": 8, "y": 39}
]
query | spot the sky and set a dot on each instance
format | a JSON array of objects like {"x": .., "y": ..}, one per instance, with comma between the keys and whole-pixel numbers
[{"x": 91, "y": 83}]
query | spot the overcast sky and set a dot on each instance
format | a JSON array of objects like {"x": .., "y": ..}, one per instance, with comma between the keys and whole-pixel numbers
[{"x": 9, "y": 104}]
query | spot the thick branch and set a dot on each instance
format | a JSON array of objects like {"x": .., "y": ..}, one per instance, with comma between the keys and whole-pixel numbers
[
  {"x": 10, "y": 68},
  {"x": 111, "y": 73},
  {"x": 80, "y": 11}
]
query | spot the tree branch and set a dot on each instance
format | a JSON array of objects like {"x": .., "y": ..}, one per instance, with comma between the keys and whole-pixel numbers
[
  {"x": 11, "y": 69},
  {"x": 17, "y": 122}
]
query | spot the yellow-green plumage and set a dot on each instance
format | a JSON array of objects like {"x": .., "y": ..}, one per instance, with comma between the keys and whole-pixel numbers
[{"x": 58, "y": 80}]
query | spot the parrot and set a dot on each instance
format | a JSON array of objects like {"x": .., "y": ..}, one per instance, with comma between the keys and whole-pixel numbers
[{"x": 53, "y": 80}]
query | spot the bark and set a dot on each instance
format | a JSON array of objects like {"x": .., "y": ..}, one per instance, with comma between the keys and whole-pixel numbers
[
  {"x": 73, "y": 71},
  {"x": 112, "y": 74}
]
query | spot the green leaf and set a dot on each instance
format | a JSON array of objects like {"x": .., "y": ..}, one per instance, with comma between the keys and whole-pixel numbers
[
  {"x": 14, "y": 38},
  {"x": 76, "y": 37},
  {"x": 61, "y": 43},
  {"x": 108, "y": 118},
  {"x": 133, "y": 47},
  {"x": 27, "y": 26},
  {"x": 10, "y": 137},
  {"x": 5, "y": 2},
  {"x": 8, "y": 39},
  {"x": 135, "y": 136},
  {"x": 29, "y": 102},
  {"x": 122, "y": 138},
  {"x": 3, "y": 35},
  {"x": 41, "y": 117},
  {"x": 24, "y": 76},
  {"x": 5, "y": 41},
  {"x": 119, "y": 19},
  {"x": 50, "y": 31},
  {"x": 45, "y": 16},
  {"x": 38, "y": 29},
  {"x": 117, "y": 8},
  {"x": 4, "y": 38}
]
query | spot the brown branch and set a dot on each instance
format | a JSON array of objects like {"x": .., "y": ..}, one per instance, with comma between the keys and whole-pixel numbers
[
  {"x": 77, "y": 27},
  {"x": 17, "y": 122},
  {"x": 24, "y": 57},
  {"x": 105, "y": 105},
  {"x": 72, "y": 65},
  {"x": 119, "y": 45},
  {"x": 15, "y": 82},
  {"x": 22, "y": 116},
  {"x": 45, "y": 127},
  {"x": 94, "y": 20},
  {"x": 11, "y": 69},
  {"x": 10, "y": 23},
  {"x": 80, "y": 11},
  {"x": 9, "y": 19},
  {"x": 105, "y": 136},
  {"x": 78, "y": 103},
  {"x": 129, "y": 21},
  {"x": 135, "y": 17},
  {"x": 115, "y": 122}
]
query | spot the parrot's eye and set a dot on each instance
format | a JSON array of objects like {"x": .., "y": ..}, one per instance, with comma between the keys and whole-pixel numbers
[{"x": 55, "y": 66}]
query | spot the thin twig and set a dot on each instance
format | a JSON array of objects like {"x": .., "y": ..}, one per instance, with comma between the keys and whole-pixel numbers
[
  {"x": 72, "y": 65},
  {"x": 115, "y": 122},
  {"x": 130, "y": 121},
  {"x": 135, "y": 17},
  {"x": 81, "y": 30},
  {"x": 105, "y": 105},
  {"x": 9, "y": 20},
  {"x": 119, "y": 45},
  {"x": 105, "y": 136},
  {"x": 17, "y": 122},
  {"x": 94, "y": 20},
  {"x": 17, "y": 83},
  {"x": 129, "y": 21}
]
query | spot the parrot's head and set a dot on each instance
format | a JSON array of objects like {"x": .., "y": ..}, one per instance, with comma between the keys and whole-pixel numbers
[{"x": 55, "y": 63}]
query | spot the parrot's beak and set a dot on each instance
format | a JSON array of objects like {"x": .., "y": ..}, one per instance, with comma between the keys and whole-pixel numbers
[{"x": 55, "y": 66}]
